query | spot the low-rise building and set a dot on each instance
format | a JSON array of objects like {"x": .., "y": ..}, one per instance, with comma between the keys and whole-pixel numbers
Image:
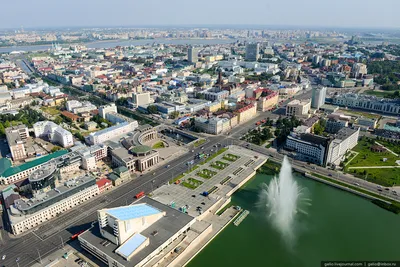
[
  {"x": 120, "y": 175},
  {"x": 367, "y": 122},
  {"x": 104, "y": 184},
  {"x": 336, "y": 121}
]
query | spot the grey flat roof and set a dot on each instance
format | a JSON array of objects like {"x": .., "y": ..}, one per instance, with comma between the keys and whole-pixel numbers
[{"x": 166, "y": 227}]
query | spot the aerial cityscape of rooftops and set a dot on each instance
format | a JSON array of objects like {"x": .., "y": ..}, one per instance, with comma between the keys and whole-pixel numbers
[{"x": 163, "y": 146}]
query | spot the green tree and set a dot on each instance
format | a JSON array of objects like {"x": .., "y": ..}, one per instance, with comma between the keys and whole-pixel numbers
[
  {"x": 2, "y": 130},
  {"x": 174, "y": 115},
  {"x": 152, "y": 109}
]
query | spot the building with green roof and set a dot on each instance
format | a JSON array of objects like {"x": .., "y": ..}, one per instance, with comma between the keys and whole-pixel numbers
[{"x": 13, "y": 174}]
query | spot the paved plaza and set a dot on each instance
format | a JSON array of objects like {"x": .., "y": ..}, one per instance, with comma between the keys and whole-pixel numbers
[{"x": 238, "y": 171}]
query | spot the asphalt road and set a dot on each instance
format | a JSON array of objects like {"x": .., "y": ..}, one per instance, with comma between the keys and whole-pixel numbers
[{"x": 28, "y": 247}]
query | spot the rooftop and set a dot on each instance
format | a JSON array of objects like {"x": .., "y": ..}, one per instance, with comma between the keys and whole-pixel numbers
[
  {"x": 131, "y": 245},
  {"x": 165, "y": 227},
  {"x": 14, "y": 170},
  {"x": 132, "y": 212}
]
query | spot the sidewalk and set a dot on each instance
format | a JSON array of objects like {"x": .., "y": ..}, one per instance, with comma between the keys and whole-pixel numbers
[{"x": 56, "y": 259}]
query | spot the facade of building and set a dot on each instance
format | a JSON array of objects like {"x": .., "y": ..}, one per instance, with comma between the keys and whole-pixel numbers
[
  {"x": 54, "y": 133},
  {"x": 252, "y": 51},
  {"x": 141, "y": 99},
  {"x": 369, "y": 103},
  {"x": 268, "y": 102},
  {"x": 193, "y": 54},
  {"x": 344, "y": 140},
  {"x": 318, "y": 97},
  {"x": 135, "y": 234},
  {"x": 16, "y": 137},
  {"x": 308, "y": 147},
  {"x": 103, "y": 110},
  {"x": 120, "y": 175},
  {"x": 298, "y": 108},
  {"x": 111, "y": 132},
  {"x": 138, "y": 158},
  {"x": 25, "y": 214},
  {"x": 213, "y": 125},
  {"x": 246, "y": 113},
  {"x": 367, "y": 122}
]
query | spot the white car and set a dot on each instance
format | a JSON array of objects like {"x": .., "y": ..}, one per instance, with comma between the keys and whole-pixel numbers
[{"x": 4, "y": 257}]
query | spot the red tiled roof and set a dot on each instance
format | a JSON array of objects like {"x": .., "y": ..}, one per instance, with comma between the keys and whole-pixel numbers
[
  {"x": 102, "y": 182},
  {"x": 70, "y": 115}
]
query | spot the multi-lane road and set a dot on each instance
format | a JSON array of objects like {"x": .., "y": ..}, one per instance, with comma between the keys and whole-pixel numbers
[
  {"x": 28, "y": 247},
  {"x": 51, "y": 235}
]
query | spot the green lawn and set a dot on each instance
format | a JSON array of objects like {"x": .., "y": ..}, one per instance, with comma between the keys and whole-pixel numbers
[
  {"x": 366, "y": 157},
  {"x": 356, "y": 188},
  {"x": 199, "y": 142},
  {"x": 388, "y": 94},
  {"x": 384, "y": 177},
  {"x": 206, "y": 173},
  {"x": 50, "y": 110},
  {"x": 230, "y": 157},
  {"x": 182, "y": 175},
  {"x": 222, "y": 150},
  {"x": 219, "y": 165},
  {"x": 158, "y": 145},
  {"x": 360, "y": 113},
  {"x": 192, "y": 183}
]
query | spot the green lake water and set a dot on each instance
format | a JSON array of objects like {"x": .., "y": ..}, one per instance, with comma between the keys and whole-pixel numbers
[{"x": 338, "y": 226}]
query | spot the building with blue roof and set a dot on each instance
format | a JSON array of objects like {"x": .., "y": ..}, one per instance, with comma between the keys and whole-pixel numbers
[
  {"x": 136, "y": 235},
  {"x": 119, "y": 224}
]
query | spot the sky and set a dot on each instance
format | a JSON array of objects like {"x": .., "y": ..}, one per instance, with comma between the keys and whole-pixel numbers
[{"x": 309, "y": 13}]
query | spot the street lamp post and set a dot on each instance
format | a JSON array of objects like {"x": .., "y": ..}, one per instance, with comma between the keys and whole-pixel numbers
[
  {"x": 40, "y": 258},
  {"x": 62, "y": 242},
  {"x": 17, "y": 261}
]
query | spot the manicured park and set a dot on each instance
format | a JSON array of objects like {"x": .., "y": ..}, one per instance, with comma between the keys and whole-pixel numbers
[
  {"x": 191, "y": 183},
  {"x": 219, "y": 165},
  {"x": 230, "y": 157},
  {"x": 380, "y": 164},
  {"x": 206, "y": 173}
]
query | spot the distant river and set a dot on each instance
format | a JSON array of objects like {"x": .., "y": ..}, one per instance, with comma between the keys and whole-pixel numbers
[
  {"x": 109, "y": 44},
  {"x": 339, "y": 226}
]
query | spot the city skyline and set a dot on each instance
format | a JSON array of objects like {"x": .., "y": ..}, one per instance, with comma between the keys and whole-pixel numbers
[{"x": 311, "y": 13}]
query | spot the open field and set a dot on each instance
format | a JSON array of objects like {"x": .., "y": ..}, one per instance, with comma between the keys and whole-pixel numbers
[
  {"x": 366, "y": 157},
  {"x": 50, "y": 110}
]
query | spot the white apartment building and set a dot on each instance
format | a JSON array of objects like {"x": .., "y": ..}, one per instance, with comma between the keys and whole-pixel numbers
[
  {"x": 111, "y": 132},
  {"x": 103, "y": 110},
  {"x": 344, "y": 140},
  {"x": 71, "y": 104},
  {"x": 318, "y": 97},
  {"x": 54, "y": 133},
  {"x": 298, "y": 108},
  {"x": 141, "y": 99},
  {"x": 308, "y": 147}
]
